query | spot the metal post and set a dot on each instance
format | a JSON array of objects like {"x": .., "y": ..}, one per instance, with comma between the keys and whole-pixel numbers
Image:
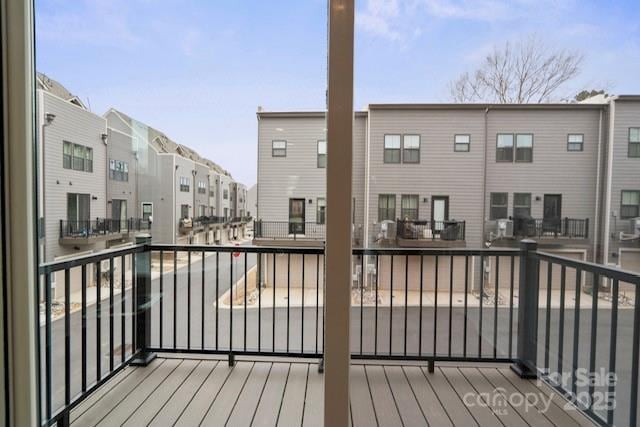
[
  {"x": 142, "y": 294},
  {"x": 526, "y": 366}
]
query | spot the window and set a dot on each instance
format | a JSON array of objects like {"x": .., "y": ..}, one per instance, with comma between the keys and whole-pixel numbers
[
  {"x": 185, "y": 182},
  {"x": 225, "y": 194},
  {"x": 524, "y": 148},
  {"x": 386, "y": 207},
  {"x": 118, "y": 170},
  {"x": 461, "y": 143},
  {"x": 409, "y": 207},
  {"x": 202, "y": 187},
  {"x": 184, "y": 211},
  {"x": 411, "y": 149},
  {"x": 211, "y": 193},
  {"x": 522, "y": 205},
  {"x": 322, "y": 154},
  {"x": 279, "y": 149},
  {"x": 321, "y": 211},
  {"x": 499, "y": 203},
  {"x": 575, "y": 142},
  {"x": 202, "y": 210},
  {"x": 504, "y": 149},
  {"x": 147, "y": 211},
  {"x": 630, "y": 205},
  {"x": 392, "y": 148},
  {"x": 77, "y": 157},
  {"x": 634, "y": 142}
]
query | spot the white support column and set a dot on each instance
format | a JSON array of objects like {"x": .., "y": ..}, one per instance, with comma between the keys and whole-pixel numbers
[
  {"x": 338, "y": 247},
  {"x": 20, "y": 219}
]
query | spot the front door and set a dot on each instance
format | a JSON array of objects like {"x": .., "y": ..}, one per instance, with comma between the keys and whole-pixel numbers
[
  {"x": 119, "y": 215},
  {"x": 552, "y": 213},
  {"x": 78, "y": 213},
  {"x": 296, "y": 216},
  {"x": 439, "y": 212}
]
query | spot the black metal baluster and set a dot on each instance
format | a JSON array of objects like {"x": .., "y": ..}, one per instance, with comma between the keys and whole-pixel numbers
[
  {"x": 161, "y": 314},
  {"x": 420, "y": 313},
  {"x": 273, "y": 308},
  {"x": 288, "y": 295},
  {"x": 67, "y": 337},
  {"x": 84, "y": 327},
  {"x": 259, "y": 285},
  {"x": 302, "y": 312},
  {"x": 391, "y": 308},
  {"x": 123, "y": 309},
  {"x": 189, "y": 299},
  {"x": 435, "y": 309},
  {"x": 48, "y": 345},
  {"x": 375, "y": 328},
  {"x": 317, "y": 297},
  {"x": 594, "y": 333},
  {"x": 406, "y": 300},
  {"x": 217, "y": 295},
  {"x": 511, "y": 286},
  {"x": 245, "y": 302},
  {"x": 482, "y": 270},
  {"x": 202, "y": 299},
  {"x": 612, "y": 350},
  {"x": 175, "y": 299},
  {"x": 547, "y": 336},
  {"x": 633, "y": 414},
  {"x": 576, "y": 329},
  {"x": 111, "y": 315},
  {"x": 134, "y": 290},
  {"x": 466, "y": 298},
  {"x": 495, "y": 309},
  {"x": 561, "y": 320},
  {"x": 98, "y": 322},
  {"x": 231, "y": 305},
  {"x": 450, "y": 302}
]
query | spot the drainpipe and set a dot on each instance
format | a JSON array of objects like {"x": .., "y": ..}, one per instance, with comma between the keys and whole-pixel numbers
[
  {"x": 484, "y": 173},
  {"x": 175, "y": 201},
  {"x": 48, "y": 119},
  {"x": 596, "y": 225},
  {"x": 607, "y": 211},
  {"x": 194, "y": 173}
]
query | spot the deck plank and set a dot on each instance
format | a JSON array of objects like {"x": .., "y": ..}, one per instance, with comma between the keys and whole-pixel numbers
[
  {"x": 223, "y": 404},
  {"x": 455, "y": 408},
  {"x": 115, "y": 395},
  {"x": 97, "y": 395},
  {"x": 292, "y": 406},
  {"x": 269, "y": 405},
  {"x": 362, "y": 411},
  {"x": 314, "y": 399},
  {"x": 383, "y": 402},
  {"x": 169, "y": 414},
  {"x": 247, "y": 403},
  {"x": 530, "y": 413},
  {"x": 483, "y": 415},
  {"x": 410, "y": 411},
  {"x": 139, "y": 396},
  {"x": 496, "y": 400},
  {"x": 427, "y": 399},
  {"x": 199, "y": 405},
  {"x": 165, "y": 391}
]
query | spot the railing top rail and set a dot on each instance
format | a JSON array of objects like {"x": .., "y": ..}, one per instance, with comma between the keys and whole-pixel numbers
[
  {"x": 240, "y": 249},
  {"x": 590, "y": 267},
  {"x": 437, "y": 251},
  {"x": 53, "y": 266}
]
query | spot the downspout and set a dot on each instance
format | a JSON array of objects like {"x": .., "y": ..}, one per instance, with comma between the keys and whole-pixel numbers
[
  {"x": 607, "y": 211},
  {"x": 596, "y": 219},
  {"x": 484, "y": 174},
  {"x": 173, "y": 215},
  {"x": 367, "y": 197}
]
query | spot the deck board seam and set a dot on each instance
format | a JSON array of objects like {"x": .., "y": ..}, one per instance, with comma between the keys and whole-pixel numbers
[
  {"x": 244, "y": 384},
  {"x": 255, "y": 411},
  {"x": 128, "y": 371},
  {"x": 506, "y": 398},
  {"x": 458, "y": 396},
  {"x": 477, "y": 392},
  {"x": 195, "y": 393},
  {"x": 284, "y": 390},
  {"x": 395, "y": 403},
  {"x": 414, "y": 396},
  {"x": 444, "y": 408},
  {"x": 375, "y": 413},
  {"x": 218, "y": 394},
  {"x": 304, "y": 401}
]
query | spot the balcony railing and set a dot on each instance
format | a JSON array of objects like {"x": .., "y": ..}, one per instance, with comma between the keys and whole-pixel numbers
[
  {"x": 560, "y": 227},
  {"x": 284, "y": 230},
  {"x": 552, "y": 317},
  {"x": 430, "y": 230},
  {"x": 101, "y": 227}
]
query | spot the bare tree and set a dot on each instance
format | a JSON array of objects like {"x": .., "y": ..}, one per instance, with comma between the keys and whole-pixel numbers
[{"x": 524, "y": 72}]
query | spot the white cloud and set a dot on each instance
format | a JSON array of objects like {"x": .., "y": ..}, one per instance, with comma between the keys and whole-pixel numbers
[{"x": 378, "y": 18}]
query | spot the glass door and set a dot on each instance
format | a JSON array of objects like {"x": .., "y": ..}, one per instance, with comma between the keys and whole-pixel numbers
[
  {"x": 439, "y": 212},
  {"x": 296, "y": 216},
  {"x": 552, "y": 213}
]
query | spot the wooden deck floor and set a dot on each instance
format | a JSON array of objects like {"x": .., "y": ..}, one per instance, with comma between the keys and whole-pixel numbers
[{"x": 186, "y": 392}]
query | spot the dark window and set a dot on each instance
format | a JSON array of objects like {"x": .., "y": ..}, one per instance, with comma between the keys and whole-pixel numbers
[
  {"x": 321, "y": 211},
  {"x": 630, "y": 204},
  {"x": 279, "y": 149},
  {"x": 409, "y": 207},
  {"x": 575, "y": 142},
  {"x": 634, "y": 142},
  {"x": 386, "y": 207},
  {"x": 504, "y": 147},
  {"x": 202, "y": 187},
  {"x": 411, "y": 149},
  {"x": 499, "y": 208},
  {"x": 118, "y": 170},
  {"x": 225, "y": 194},
  {"x": 462, "y": 143},
  {"x": 521, "y": 205},
  {"x": 77, "y": 157},
  {"x": 184, "y": 183},
  {"x": 147, "y": 211},
  {"x": 524, "y": 148},
  {"x": 322, "y": 154},
  {"x": 392, "y": 148},
  {"x": 184, "y": 211}
]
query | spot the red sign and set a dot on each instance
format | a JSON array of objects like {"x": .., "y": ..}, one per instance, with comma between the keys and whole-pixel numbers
[{"x": 236, "y": 254}]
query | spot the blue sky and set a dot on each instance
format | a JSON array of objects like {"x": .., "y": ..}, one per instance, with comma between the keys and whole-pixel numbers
[{"x": 199, "y": 69}]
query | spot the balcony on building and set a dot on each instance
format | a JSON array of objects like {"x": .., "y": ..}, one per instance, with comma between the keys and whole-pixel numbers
[
  {"x": 419, "y": 233},
  {"x": 547, "y": 231},
  {"x": 87, "y": 232}
]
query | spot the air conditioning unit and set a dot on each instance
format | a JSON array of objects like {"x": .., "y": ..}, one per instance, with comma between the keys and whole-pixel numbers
[
  {"x": 387, "y": 230},
  {"x": 635, "y": 226},
  {"x": 505, "y": 228}
]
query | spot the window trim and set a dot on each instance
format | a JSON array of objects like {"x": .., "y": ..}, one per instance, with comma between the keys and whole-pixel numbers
[
  {"x": 403, "y": 149},
  {"x": 621, "y": 205},
  {"x": 389, "y": 197},
  {"x": 385, "y": 149},
  {"x": 467, "y": 144},
  {"x": 515, "y": 149},
  {"x": 569, "y": 143},
  {"x": 324, "y": 219},
  {"x": 409, "y": 196},
  {"x": 491, "y": 205},
  {"x": 321, "y": 155},
  {"x": 514, "y": 206},
  {"x": 630, "y": 144},
  {"x": 86, "y": 157},
  {"x": 284, "y": 150}
]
